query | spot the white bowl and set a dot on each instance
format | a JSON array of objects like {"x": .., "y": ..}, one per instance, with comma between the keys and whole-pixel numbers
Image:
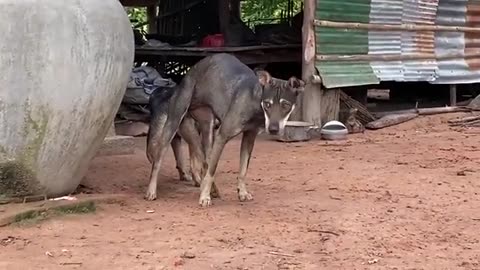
[{"x": 334, "y": 130}]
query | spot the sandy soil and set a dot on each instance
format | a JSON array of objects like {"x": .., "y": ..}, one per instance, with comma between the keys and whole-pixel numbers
[{"x": 405, "y": 197}]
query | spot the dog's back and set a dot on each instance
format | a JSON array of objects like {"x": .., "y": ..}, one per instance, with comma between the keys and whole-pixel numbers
[{"x": 221, "y": 79}]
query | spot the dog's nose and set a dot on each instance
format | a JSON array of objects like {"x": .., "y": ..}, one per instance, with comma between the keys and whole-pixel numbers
[{"x": 274, "y": 128}]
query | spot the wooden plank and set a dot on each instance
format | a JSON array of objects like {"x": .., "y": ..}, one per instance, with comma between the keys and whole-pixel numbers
[
  {"x": 329, "y": 104},
  {"x": 138, "y": 3},
  {"x": 249, "y": 58},
  {"x": 396, "y": 27},
  {"x": 156, "y": 50},
  {"x": 398, "y": 57}
]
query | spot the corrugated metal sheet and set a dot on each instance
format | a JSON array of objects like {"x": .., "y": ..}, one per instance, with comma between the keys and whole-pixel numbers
[
  {"x": 343, "y": 41},
  {"x": 349, "y": 42},
  {"x": 381, "y": 42},
  {"x": 456, "y": 13},
  {"x": 419, "y": 12}
]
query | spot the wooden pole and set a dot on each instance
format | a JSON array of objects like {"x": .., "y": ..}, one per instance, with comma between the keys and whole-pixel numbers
[
  {"x": 396, "y": 27},
  {"x": 152, "y": 19},
  {"x": 223, "y": 15},
  {"x": 397, "y": 57},
  {"x": 235, "y": 8},
  {"x": 310, "y": 101},
  {"x": 453, "y": 95}
]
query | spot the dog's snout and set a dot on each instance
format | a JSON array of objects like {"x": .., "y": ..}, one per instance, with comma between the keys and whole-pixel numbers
[{"x": 274, "y": 128}]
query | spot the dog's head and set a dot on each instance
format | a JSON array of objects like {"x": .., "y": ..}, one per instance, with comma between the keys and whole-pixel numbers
[{"x": 278, "y": 100}]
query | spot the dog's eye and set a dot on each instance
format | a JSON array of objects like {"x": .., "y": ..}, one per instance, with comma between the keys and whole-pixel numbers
[
  {"x": 267, "y": 104},
  {"x": 286, "y": 105}
]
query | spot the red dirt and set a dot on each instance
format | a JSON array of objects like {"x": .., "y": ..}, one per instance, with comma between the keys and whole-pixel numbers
[{"x": 405, "y": 197}]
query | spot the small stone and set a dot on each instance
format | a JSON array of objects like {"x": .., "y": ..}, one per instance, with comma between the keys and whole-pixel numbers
[{"x": 188, "y": 255}]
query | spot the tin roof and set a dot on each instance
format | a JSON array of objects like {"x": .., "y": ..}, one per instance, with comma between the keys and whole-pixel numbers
[{"x": 435, "y": 69}]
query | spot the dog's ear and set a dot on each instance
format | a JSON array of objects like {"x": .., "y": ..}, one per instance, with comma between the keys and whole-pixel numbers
[
  {"x": 296, "y": 84},
  {"x": 263, "y": 77}
]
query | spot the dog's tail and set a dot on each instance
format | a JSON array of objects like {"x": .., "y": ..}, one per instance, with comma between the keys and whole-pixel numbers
[{"x": 168, "y": 108}]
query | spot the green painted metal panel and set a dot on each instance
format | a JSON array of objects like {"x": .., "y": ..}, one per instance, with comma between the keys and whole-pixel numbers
[{"x": 343, "y": 41}]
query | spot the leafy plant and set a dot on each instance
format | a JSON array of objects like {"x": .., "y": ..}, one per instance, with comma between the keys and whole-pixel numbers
[
  {"x": 253, "y": 11},
  {"x": 138, "y": 18}
]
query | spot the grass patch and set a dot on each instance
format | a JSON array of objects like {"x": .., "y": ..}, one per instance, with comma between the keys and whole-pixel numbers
[{"x": 38, "y": 215}]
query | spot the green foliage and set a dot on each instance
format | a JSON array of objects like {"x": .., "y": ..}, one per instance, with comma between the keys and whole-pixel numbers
[
  {"x": 257, "y": 10},
  {"x": 138, "y": 17},
  {"x": 252, "y": 11}
]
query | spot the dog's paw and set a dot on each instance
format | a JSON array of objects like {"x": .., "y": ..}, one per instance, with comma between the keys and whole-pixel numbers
[
  {"x": 186, "y": 177},
  {"x": 244, "y": 196},
  {"x": 151, "y": 194},
  {"x": 205, "y": 201},
  {"x": 214, "y": 193}
]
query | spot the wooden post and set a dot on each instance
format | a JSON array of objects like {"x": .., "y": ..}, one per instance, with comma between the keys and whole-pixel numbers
[
  {"x": 329, "y": 105},
  {"x": 152, "y": 19},
  {"x": 310, "y": 103},
  {"x": 223, "y": 15},
  {"x": 453, "y": 95},
  {"x": 319, "y": 105},
  {"x": 235, "y": 8}
]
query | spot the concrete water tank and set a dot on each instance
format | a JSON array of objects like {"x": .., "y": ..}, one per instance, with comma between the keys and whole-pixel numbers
[{"x": 64, "y": 66}]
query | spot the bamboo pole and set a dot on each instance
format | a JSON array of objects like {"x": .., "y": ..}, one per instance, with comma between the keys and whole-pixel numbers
[
  {"x": 396, "y": 27},
  {"x": 397, "y": 57}
]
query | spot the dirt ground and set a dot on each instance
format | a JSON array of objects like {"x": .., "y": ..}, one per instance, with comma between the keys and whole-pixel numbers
[{"x": 405, "y": 197}]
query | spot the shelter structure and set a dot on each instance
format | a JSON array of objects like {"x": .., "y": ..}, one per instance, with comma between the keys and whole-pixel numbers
[{"x": 344, "y": 43}]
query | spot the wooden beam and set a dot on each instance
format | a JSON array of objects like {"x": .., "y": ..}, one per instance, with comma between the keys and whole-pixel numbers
[
  {"x": 329, "y": 104},
  {"x": 152, "y": 19},
  {"x": 235, "y": 8},
  {"x": 311, "y": 98},
  {"x": 398, "y": 57},
  {"x": 223, "y": 15},
  {"x": 396, "y": 27},
  {"x": 138, "y": 3}
]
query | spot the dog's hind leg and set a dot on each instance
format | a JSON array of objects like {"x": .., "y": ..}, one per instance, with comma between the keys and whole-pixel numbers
[
  {"x": 180, "y": 159},
  {"x": 165, "y": 139},
  {"x": 197, "y": 159},
  {"x": 206, "y": 129},
  {"x": 248, "y": 141},
  {"x": 178, "y": 107},
  {"x": 155, "y": 151},
  {"x": 197, "y": 156}
]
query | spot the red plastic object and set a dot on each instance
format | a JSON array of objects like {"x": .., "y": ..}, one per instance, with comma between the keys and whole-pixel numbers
[{"x": 216, "y": 40}]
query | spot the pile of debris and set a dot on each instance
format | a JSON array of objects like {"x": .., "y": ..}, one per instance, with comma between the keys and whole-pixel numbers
[{"x": 133, "y": 115}]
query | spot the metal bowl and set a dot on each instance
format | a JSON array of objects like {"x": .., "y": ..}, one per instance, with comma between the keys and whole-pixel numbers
[
  {"x": 334, "y": 130},
  {"x": 296, "y": 131}
]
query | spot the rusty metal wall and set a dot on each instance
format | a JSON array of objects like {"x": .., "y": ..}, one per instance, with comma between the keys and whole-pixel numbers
[{"x": 331, "y": 41}]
